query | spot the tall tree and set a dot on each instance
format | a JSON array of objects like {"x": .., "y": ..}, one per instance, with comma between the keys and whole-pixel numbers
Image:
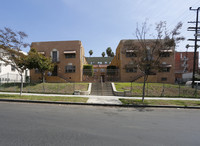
[
  {"x": 11, "y": 42},
  {"x": 112, "y": 54},
  {"x": 90, "y": 52},
  {"x": 38, "y": 61},
  {"x": 148, "y": 50},
  {"x": 109, "y": 51},
  {"x": 103, "y": 54}
]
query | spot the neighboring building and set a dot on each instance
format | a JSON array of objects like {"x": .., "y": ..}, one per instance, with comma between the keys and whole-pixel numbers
[
  {"x": 128, "y": 71},
  {"x": 100, "y": 67},
  {"x": 8, "y": 73},
  {"x": 184, "y": 65},
  {"x": 69, "y": 59}
]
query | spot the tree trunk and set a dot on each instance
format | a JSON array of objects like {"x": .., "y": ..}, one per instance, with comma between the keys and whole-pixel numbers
[
  {"x": 43, "y": 77},
  {"x": 21, "y": 88},
  {"x": 43, "y": 80},
  {"x": 143, "y": 90}
]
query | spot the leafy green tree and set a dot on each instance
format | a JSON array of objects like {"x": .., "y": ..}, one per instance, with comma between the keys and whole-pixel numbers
[
  {"x": 88, "y": 70},
  {"x": 90, "y": 52},
  {"x": 11, "y": 43},
  {"x": 103, "y": 54},
  {"x": 109, "y": 51},
  {"x": 38, "y": 61}
]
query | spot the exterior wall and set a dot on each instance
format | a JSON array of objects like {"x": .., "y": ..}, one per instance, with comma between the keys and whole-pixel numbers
[
  {"x": 121, "y": 61},
  {"x": 9, "y": 75},
  {"x": 188, "y": 58},
  {"x": 184, "y": 64},
  {"x": 61, "y": 47}
]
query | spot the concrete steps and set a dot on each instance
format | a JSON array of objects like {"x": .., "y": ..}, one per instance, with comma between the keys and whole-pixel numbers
[{"x": 101, "y": 89}]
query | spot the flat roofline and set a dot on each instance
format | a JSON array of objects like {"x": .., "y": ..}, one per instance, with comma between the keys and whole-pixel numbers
[{"x": 58, "y": 41}]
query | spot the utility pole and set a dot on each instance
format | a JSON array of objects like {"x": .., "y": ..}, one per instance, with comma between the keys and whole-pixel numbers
[{"x": 196, "y": 29}]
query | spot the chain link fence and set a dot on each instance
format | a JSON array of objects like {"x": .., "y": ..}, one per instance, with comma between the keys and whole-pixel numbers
[
  {"x": 159, "y": 90},
  {"x": 51, "y": 88},
  {"x": 11, "y": 78}
]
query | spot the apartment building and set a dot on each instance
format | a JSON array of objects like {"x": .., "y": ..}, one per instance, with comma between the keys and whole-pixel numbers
[
  {"x": 100, "y": 67},
  {"x": 128, "y": 70},
  {"x": 184, "y": 65},
  {"x": 68, "y": 57}
]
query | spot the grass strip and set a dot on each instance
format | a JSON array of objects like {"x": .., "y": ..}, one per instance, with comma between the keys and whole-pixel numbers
[
  {"x": 159, "y": 89},
  {"x": 160, "y": 102},
  {"x": 44, "y": 98}
]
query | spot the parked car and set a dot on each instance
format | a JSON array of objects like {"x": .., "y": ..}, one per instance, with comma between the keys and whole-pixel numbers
[{"x": 196, "y": 84}]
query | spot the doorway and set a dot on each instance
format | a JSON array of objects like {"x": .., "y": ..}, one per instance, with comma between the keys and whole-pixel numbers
[{"x": 55, "y": 71}]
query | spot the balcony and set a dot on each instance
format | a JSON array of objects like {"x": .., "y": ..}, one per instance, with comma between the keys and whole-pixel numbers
[{"x": 55, "y": 60}]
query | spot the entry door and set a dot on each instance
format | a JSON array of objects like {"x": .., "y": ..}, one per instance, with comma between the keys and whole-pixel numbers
[{"x": 55, "y": 71}]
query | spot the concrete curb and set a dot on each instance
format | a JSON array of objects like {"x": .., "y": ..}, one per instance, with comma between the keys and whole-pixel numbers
[{"x": 97, "y": 104}]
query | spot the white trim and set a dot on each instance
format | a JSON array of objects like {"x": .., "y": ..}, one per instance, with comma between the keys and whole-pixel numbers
[
  {"x": 131, "y": 50},
  {"x": 69, "y": 52},
  {"x": 41, "y": 53}
]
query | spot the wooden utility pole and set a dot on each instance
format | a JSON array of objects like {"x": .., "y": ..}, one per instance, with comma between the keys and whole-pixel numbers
[{"x": 196, "y": 29}]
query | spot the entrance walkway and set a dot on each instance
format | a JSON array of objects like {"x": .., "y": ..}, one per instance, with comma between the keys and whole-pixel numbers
[{"x": 101, "y": 89}]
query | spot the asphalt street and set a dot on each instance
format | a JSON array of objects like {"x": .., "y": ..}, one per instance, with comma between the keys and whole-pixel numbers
[{"x": 43, "y": 124}]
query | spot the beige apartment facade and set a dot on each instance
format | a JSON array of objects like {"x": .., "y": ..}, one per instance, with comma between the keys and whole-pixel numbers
[
  {"x": 68, "y": 57},
  {"x": 128, "y": 71}
]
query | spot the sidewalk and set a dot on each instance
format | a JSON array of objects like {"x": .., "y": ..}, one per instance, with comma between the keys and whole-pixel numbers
[{"x": 113, "y": 100}]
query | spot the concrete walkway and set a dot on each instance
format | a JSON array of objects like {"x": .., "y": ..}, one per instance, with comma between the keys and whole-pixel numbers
[{"x": 104, "y": 99}]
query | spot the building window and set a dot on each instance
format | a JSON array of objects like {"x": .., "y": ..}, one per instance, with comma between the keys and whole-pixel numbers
[
  {"x": 165, "y": 54},
  {"x": 102, "y": 70},
  {"x": 163, "y": 79},
  {"x": 70, "y": 69},
  {"x": 96, "y": 70},
  {"x": 12, "y": 68},
  {"x": 129, "y": 70},
  {"x": 131, "y": 54},
  {"x": 37, "y": 71},
  {"x": 165, "y": 69},
  {"x": 54, "y": 56},
  {"x": 99, "y": 62},
  {"x": 70, "y": 55}
]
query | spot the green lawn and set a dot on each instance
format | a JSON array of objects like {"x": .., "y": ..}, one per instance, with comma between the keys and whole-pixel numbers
[
  {"x": 44, "y": 98},
  {"x": 159, "y": 89},
  {"x": 59, "y": 88},
  {"x": 160, "y": 102}
]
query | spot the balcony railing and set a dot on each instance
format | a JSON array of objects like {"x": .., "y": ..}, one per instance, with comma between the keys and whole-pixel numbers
[{"x": 55, "y": 60}]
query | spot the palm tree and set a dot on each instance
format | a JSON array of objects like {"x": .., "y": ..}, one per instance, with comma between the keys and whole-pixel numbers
[
  {"x": 109, "y": 51},
  {"x": 103, "y": 54},
  {"x": 90, "y": 52}
]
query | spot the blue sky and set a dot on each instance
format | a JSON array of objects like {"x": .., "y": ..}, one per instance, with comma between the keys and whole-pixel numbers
[{"x": 97, "y": 23}]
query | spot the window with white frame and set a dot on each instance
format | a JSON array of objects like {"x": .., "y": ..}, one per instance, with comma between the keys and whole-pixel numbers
[{"x": 70, "y": 69}]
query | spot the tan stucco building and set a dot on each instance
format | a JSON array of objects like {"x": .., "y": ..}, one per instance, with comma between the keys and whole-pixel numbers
[
  {"x": 68, "y": 57},
  {"x": 128, "y": 71}
]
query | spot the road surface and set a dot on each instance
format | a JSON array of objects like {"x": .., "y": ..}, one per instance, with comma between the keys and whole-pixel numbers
[{"x": 43, "y": 124}]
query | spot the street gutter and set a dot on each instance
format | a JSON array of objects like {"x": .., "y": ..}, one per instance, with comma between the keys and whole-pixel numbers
[{"x": 98, "y": 104}]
